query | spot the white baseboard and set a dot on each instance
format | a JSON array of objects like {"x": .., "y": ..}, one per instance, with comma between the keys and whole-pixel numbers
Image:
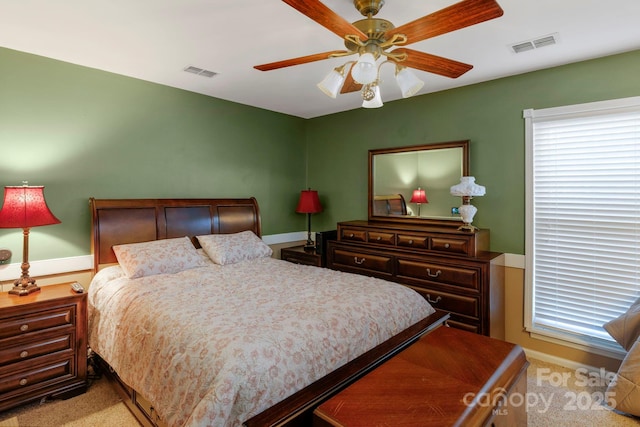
[
  {"x": 85, "y": 262},
  {"x": 47, "y": 267},
  {"x": 544, "y": 357}
]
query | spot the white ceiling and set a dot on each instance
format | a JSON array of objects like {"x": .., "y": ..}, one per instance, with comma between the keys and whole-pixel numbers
[{"x": 155, "y": 40}]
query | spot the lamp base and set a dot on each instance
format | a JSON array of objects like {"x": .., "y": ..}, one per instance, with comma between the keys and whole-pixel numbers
[
  {"x": 468, "y": 227},
  {"x": 24, "y": 286},
  {"x": 24, "y": 290}
]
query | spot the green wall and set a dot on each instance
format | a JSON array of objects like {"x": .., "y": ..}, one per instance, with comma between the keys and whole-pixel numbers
[
  {"x": 85, "y": 133},
  {"x": 488, "y": 114}
]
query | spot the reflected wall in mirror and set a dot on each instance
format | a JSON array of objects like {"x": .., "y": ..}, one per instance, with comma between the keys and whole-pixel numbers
[{"x": 395, "y": 173}]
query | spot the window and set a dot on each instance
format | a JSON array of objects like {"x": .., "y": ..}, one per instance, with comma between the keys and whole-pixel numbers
[{"x": 583, "y": 219}]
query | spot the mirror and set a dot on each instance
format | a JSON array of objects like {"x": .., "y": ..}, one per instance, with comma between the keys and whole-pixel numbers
[{"x": 394, "y": 174}]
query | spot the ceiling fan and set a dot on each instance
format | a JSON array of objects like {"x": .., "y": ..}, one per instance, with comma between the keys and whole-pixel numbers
[{"x": 372, "y": 38}]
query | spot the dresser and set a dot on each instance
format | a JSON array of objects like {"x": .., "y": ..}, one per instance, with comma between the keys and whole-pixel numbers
[
  {"x": 43, "y": 345},
  {"x": 453, "y": 270}
]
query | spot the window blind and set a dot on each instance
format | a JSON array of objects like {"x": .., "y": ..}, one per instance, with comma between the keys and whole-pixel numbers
[{"x": 583, "y": 216}]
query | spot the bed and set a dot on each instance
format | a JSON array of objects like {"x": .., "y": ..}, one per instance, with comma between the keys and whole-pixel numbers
[{"x": 199, "y": 325}]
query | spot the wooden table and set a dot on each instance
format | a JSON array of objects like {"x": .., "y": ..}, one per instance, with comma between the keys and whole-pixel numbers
[{"x": 449, "y": 377}]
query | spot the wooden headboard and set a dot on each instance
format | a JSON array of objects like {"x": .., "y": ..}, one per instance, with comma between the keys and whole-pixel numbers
[{"x": 121, "y": 221}]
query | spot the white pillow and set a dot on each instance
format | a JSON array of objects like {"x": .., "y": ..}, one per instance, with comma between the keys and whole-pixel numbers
[
  {"x": 164, "y": 256},
  {"x": 231, "y": 248}
]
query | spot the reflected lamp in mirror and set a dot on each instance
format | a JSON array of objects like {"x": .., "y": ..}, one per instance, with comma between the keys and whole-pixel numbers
[
  {"x": 25, "y": 207},
  {"x": 419, "y": 197},
  {"x": 309, "y": 203},
  {"x": 467, "y": 189}
]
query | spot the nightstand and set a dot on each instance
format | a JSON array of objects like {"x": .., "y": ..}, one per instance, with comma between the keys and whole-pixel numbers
[
  {"x": 298, "y": 255},
  {"x": 43, "y": 345}
]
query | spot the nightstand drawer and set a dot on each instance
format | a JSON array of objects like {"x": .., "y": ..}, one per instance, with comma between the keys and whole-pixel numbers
[
  {"x": 36, "y": 375},
  {"x": 35, "y": 347},
  {"x": 32, "y": 322},
  {"x": 300, "y": 255}
]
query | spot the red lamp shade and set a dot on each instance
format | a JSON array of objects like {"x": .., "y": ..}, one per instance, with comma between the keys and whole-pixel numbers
[
  {"x": 25, "y": 207},
  {"x": 419, "y": 196},
  {"x": 309, "y": 202}
]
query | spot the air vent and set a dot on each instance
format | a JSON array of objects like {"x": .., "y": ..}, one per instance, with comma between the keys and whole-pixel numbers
[
  {"x": 200, "y": 71},
  {"x": 535, "y": 43}
]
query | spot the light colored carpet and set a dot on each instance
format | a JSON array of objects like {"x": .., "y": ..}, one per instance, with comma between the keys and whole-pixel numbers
[
  {"x": 564, "y": 397},
  {"x": 550, "y": 404},
  {"x": 99, "y": 406}
]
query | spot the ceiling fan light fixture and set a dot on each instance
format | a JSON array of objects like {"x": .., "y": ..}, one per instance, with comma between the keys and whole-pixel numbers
[
  {"x": 408, "y": 82},
  {"x": 371, "y": 102},
  {"x": 332, "y": 83},
  {"x": 365, "y": 70}
]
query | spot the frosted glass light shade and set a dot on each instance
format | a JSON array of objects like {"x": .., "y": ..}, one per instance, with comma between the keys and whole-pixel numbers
[
  {"x": 365, "y": 71},
  {"x": 376, "y": 102},
  {"x": 468, "y": 188},
  {"x": 408, "y": 82},
  {"x": 331, "y": 84}
]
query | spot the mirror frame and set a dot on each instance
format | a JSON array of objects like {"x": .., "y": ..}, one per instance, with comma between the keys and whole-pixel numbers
[{"x": 453, "y": 222}]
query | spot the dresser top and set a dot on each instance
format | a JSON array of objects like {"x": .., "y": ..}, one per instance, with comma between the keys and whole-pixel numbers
[{"x": 451, "y": 230}]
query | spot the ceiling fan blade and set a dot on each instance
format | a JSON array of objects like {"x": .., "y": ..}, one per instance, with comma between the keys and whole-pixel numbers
[
  {"x": 326, "y": 17},
  {"x": 298, "y": 61},
  {"x": 432, "y": 63},
  {"x": 454, "y": 17},
  {"x": 350, "y": 85}
]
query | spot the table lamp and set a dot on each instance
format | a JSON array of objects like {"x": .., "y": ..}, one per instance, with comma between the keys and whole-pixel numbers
[
  {"x": 25, "y": 207},
  {"x": 419, "y": 197},
  {"x": 467, "y": 189},
  {"x": 309, "y": 203}
]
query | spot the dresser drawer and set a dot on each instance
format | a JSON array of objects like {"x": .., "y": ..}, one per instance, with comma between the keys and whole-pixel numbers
[
  {"x": 451, "y": 246},
  {"x": 363, "y": 260},
  {"x": 382, "y": 238},
  {"x": 456, "y": 304},
  {"x": 37, "y": 375},
  {"x": 353, "y": 235},
  {"x": 409, "y": 241},
  {"x": 37, "y": 346},
  {"x": 467, "y": 278},
  {"x": 62, "y": 316}
]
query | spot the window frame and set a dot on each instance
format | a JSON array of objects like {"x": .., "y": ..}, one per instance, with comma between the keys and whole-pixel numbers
[{"x": 530, "y": 117}]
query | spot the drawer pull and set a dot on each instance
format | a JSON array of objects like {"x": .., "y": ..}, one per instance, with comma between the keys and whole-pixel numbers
[
  {"x": 436, "y": 274},
  {"x": 433, "y": 301},
  {"x": 23, "y": 381},
  {"x": 24, "y": 328},
  {"x": 379, "y": 238},
  {"x": 358, "y": 261},
  {"x": 411, "y": 241},
  {"x": 446, "y": 245},
  {"x": 351, "y": 235},
  {"x": 24, "y": 353}
]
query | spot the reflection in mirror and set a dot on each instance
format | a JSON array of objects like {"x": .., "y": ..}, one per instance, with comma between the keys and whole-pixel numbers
[{"x": 395, "y": 173}]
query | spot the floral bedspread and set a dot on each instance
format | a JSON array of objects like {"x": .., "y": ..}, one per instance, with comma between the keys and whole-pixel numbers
[{"x": 213, "y": 346}]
